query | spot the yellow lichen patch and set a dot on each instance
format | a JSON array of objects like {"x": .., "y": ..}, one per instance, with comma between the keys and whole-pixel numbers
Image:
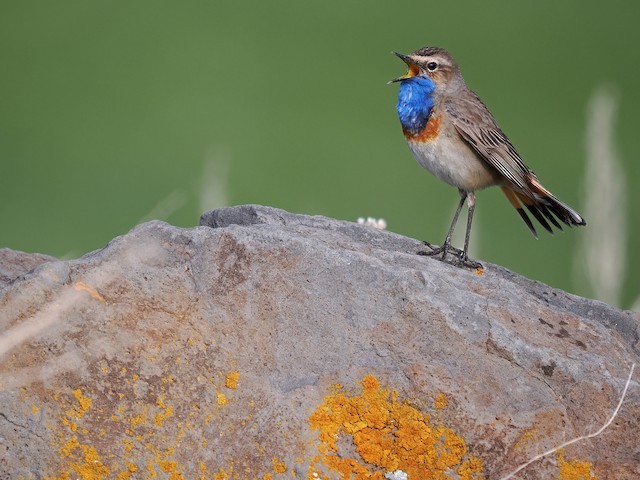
[
  {"x": 141, "y": 419},
  {"x": 76, "y": 412},
  {"x": 152, "y": 469},
  {"x": 128, "y": 473},
  {"x": 574, "y": 470},
  {"x": 278, "y": 466},
  {"x": 222, "y": 399},
  {"x": 166, "y": 413},
  {"x": 34, "y": 409},
  {"x": 80, "y": 447},
  {"x": 440, "y": 401},
  {"x": 91, "y": 468},
  {"x": 527, "y": 437},
  {"x": 81, "y": 459},
  {"x": 83, "y": 402},
  {"x": 232, "y": 380},
  {"x": 172, "y": 468},
  {"x": 388, "y": 435},
  {"x": 222, "y": 474}
]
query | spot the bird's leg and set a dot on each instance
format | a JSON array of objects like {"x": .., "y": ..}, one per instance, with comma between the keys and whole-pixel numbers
[
  {"x": 463, "y": 257},
  {"x": 446, "y": 247},
  {"x": 471, "y": 202}
]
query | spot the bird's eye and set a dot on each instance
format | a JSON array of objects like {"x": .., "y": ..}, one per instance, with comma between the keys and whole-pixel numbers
[{"x": 431, "y": 66}]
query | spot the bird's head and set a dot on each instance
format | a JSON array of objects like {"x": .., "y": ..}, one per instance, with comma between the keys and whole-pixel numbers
[{"x": 429, "y": 63}]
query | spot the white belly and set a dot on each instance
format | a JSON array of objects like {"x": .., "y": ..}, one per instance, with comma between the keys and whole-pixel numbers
[{"x": 451, "y": 160}]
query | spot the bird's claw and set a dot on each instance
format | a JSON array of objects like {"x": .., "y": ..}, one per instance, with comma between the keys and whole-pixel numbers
[
  {"x": 443, "y": 249},
  {"x": 460, "y": 259},
  {"x": 466, "y": 262}
]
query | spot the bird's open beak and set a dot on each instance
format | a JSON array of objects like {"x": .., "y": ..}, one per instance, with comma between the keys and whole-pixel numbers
[{"x": 413, "y": 68}]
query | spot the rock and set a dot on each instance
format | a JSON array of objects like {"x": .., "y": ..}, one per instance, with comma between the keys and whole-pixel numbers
[
  {"x": 264, "y": 344},
  {"x": 13, "y": 264}
]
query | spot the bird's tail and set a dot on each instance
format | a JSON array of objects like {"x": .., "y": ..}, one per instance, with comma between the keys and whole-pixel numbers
[{"x": 545, "y": 207}]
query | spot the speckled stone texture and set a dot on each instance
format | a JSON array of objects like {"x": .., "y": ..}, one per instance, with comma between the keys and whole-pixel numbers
[{"x": 202, "y": 352}]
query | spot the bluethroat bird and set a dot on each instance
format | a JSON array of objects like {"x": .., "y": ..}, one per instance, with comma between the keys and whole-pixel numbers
[{"x": 452, "y": 134}]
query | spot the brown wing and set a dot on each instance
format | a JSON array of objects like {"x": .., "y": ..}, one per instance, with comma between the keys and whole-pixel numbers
[{"x": 476, "y": 125}]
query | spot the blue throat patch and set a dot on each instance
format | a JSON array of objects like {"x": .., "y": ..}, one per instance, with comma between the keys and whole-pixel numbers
[{"x": 415, "y": 102}]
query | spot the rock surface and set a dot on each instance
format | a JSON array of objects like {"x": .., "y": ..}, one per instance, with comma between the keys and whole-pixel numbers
[
  {"x": 14, "y": 264},
  {"x": 264, "y": 344}
]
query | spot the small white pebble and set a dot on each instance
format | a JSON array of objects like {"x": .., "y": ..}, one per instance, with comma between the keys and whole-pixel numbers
[{"x": 397, "y": 475}]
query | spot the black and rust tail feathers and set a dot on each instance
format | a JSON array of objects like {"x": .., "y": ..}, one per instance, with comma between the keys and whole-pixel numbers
[{"x": 546, "y": 209}]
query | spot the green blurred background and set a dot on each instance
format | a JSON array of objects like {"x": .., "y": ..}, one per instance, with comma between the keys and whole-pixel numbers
[{"x": 114, "y": 112}]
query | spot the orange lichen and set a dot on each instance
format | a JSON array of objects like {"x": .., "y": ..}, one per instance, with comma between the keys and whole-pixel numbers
[
  {"x": 152, "y": 469},
  {"x": 162, "y": 416},
  {"x": 361, "y": 436},
  {"x": 79, "y": 459},
  {"x": 279, "y": 466},
  {"x": 83, "y": 460},
  {"x": 574, "y": 470},
  {"x": 527, "y": 437},
  {"x": 232, "y": 380},
  {"x": 388, "y": 435},
  {"x": 440, "y": 401},
  {"x": 172, "y": 468},
  {"x": 84, "y": 404},
  {"x": 128, "y": 473},
  {"x": 222, "y": 474},
  {"x": 91, "y": 468}
]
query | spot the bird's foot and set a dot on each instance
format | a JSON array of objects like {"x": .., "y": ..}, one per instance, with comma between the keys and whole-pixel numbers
[
  {"x": 459, "y": 257},
  {"x": 466, "y": 262},
  {"x": 444, "y": 249}
]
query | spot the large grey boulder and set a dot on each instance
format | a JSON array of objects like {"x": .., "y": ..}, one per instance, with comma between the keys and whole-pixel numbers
[{"x": 264, "y": 344}]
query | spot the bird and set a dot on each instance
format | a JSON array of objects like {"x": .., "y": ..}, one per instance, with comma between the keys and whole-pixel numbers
[{"x": 452, "y": 134}]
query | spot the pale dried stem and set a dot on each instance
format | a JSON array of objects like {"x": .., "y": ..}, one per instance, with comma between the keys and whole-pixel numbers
[{"x": 578, "y": 439}]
